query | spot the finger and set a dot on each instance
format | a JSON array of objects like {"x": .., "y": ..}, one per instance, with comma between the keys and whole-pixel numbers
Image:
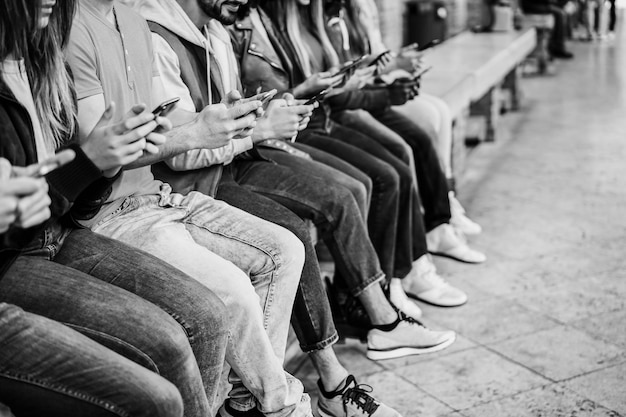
[
  {"x": 164, "y": 123},
  {"x": 5, "y": 169},
  {"x": 134, "y": 122},
  {"x": 21, "y": 186},
  {"x": 38, "y": 218},
  {"x": 232, "y": 98},
  {"x": 151, "y": 149},
  {"x": 30, "y": 205},
  {"x": 107, "y": 116},
  {"x": 156, "y": 139},
  {"x": 136, "y": 109},
  {"x": 244, "y": 109},
  {"x": 138, "y": 133},
  {"x": 132, "y": 157},
  {"x": 133, "y": 148},
  {"x": 247, "y": 122}
]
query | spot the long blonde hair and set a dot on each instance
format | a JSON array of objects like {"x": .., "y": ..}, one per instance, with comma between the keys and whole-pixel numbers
[
  {"x": 42, "y": 51},
  {"x": 289, "y": 15}
]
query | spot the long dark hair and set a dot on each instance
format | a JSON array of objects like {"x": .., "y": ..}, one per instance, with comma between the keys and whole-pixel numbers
[{"x": 42, "y": 51}]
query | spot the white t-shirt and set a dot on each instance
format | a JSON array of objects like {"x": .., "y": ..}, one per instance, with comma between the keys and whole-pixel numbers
[{"x": 14, "y": 75}]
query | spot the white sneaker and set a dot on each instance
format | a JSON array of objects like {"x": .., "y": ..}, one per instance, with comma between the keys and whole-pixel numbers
[
  {"x": 444, "y": 240},
  {"x": 408, "y": 337},
  {"x": 428, "y": 286},
  {"x": 459, "y": 220},
  {"x": 398, "y": 298},
  {"x": 352, "y": 400}
]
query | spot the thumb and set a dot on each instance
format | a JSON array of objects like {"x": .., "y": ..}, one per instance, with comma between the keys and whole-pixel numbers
[
  {"x": 232, "y": 97},
  {"x": 289, "y": 98},
  {"x": 107, "y": 116},
  {"x": 5, "y": 169}
]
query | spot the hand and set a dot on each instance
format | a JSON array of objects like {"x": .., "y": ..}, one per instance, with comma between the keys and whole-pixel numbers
[
  {"x": 221, "y": 124},
  {"x": 111, "y": 146},
  {"x": 316, "y": 83},
  {"x": 282, "y": 121},
  {"x": 24, "y": 201},
  {"x": 402, "y": 90},
  {"x": 361, "y": 77}
]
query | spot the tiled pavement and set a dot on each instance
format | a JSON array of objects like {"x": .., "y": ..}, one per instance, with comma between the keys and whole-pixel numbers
[{"x": 544, "y": 333}]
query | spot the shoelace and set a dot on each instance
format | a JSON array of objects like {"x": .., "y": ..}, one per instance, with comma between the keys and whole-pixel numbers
[{"x": 359, "y": 396}]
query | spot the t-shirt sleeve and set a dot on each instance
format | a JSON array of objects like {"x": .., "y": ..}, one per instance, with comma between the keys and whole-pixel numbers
[{"x": 82, "y": 58}]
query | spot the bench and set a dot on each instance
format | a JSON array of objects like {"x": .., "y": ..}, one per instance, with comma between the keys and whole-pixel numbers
[
  {"x": 469, "y": 71},
  {"x": 543, "y": 24}
]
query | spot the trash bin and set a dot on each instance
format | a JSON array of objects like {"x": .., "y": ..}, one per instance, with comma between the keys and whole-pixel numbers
[{"x": 426, "y": 20}]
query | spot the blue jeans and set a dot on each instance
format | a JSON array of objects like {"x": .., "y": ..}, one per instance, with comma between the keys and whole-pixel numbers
[
  {"x": 108, "y": 291},
  {"x": 329, "y": 206},
  {"x": 252, "y": 265},
  {"x": 49, "y": 369},
  {"x": 312, "y": 318},
  {"x": 395, "y": 226}
]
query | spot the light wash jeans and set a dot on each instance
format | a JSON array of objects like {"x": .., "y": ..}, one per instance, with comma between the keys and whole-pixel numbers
[{"x": 214, "y": 242}]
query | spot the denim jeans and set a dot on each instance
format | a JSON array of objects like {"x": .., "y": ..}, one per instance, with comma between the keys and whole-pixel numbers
[
  {"x": 49, "y": 369},
  {"x": 431, "y": 180},
  {"x": 329, "y": 206},
  {"x": 118, "y": 319},
  {"x": 333, "y": 169},
  {"x": 312, "y": 318},
  {"x": 394, "y": 198},
  {"x": 226, "y": 250}
]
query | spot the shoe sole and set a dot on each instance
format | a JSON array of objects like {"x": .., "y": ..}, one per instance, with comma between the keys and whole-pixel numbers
[
  {"x": 377, "y": 355},
  {"x": 445, "y": 255},
  {"x": 415, "y": 297}
]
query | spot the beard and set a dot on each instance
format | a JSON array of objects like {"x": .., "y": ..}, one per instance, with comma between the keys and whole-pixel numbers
[{"x": 213, "y": 9}]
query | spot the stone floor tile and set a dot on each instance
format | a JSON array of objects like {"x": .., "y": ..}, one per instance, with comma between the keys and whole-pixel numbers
[
  {"x": 549, "y": 401},
  {"x": 470, "y": 377},
  {"x": 568, "y": 301},
  {"x": 493, "y": 321},
  {"x": 405, "y": 397},
  {"x": 609, "y": 327},
  {"x": 560, "y": 353},
  {"x": 607, "y": 387}
]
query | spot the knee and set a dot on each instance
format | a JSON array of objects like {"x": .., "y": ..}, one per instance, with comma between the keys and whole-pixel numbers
[
  {"x": 158, "y": 398},
  {"x": 387, "y": 179},
  {"x": 290, "y": 247}
]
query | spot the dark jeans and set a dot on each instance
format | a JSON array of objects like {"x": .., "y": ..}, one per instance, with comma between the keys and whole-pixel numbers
[
  {"x": 361, "y": 189},
  {"x": 328, "y": 205},
  {"x": 132, "y": 303},
  {"x": 431, "y": 180},
  {"x": 312, "y": 318},
  {"x": 395, "y": 221},
  {"x": 49, "y": 369}
]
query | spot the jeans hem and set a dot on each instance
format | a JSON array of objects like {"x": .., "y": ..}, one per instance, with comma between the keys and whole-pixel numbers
[
  {"x": 320, "y": 345},
  {"x": 380, "y": 276}
]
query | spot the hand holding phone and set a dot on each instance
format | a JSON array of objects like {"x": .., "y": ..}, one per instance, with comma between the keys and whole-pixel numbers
[
  {"x": 350, "y": 65},
  {"x": 164, "y": 108},
  {"x": 318, "y": 97}
]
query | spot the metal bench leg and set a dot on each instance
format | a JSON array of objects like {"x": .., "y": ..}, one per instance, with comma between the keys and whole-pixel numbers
[
  {"x": 488, "y": 107},
  {"x": 511, "y": 83}
]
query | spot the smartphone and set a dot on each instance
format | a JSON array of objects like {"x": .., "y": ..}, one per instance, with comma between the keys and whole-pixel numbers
[
  {"x": 318, "y": 97},
  {"x": 429, "y": 45},
  {"x": 421, "y": 72},
  {"x": 52, "y": 163},
  {"x": 350, "y": 66},
  {"x": 378, "y": 58},
  {"x": 164, "y": 108}
]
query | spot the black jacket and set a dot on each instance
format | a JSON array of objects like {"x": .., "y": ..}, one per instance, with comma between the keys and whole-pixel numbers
[{"x": 77, "y": 190}]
